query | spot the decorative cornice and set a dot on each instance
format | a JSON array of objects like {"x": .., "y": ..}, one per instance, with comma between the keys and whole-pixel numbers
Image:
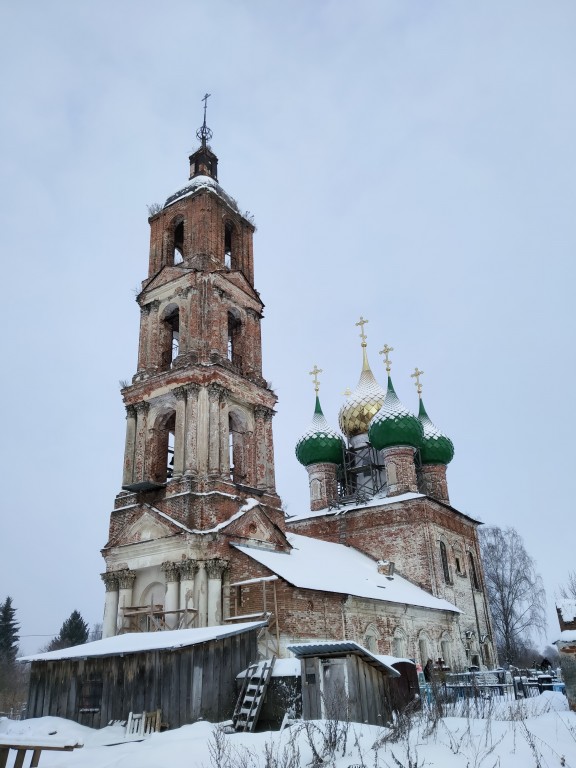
[
  {"x": 215, "y": 391},
  {"x": 130, "y": 412},
  {"x": 145, "y": 309},
  {"x": 216, "y": 568},
  {"x": 262, "y": 412},
  {"x": 142, "y": 407},
  {"x": 192, "y": 389},
  {"x": 155, "y": 305}
]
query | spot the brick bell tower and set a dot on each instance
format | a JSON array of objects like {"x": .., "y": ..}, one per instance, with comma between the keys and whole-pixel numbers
[{"x": 199, "y": 413}]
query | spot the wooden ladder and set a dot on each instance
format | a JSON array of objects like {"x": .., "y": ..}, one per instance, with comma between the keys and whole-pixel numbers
[{"x": 252, "y": 695}]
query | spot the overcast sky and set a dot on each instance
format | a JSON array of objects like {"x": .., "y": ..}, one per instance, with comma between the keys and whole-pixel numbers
[{"x": 411, "y": 161}]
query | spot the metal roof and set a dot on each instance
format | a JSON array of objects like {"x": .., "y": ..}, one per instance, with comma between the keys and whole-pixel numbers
[{"x": 341, "y": 648}]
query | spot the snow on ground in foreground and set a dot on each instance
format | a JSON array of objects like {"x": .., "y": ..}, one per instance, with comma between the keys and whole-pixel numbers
[{"x": 537, "y": 732}]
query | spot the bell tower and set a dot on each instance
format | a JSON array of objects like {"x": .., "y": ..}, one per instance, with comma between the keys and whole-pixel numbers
[{"x": 199, "y": 413}]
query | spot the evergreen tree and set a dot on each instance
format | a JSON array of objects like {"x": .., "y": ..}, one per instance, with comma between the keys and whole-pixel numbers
[
  {"x": 8, "y": 633},
  {"x": 74, "y": 631}
]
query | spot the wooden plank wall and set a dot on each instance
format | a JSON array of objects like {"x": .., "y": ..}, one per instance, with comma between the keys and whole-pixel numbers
[{"x": 186, "y": 683}]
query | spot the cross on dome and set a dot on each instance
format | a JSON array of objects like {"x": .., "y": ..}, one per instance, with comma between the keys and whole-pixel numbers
[
  {"x": 362, "y": 323},
  {"x": 416, "y": 375},
  {"x": 314, "y": 372},
  {"x": 386, "y": 351}
]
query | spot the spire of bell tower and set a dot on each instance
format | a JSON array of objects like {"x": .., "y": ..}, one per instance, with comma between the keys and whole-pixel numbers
[{"x": 204, "y": 162}]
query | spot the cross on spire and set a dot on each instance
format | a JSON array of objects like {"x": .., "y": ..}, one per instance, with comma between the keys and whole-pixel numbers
[
  {"x": 386, "y": 351},
  {"x": 314, "y": 372},
  {"x": 416, "y": 375},
  {"x": 204, "y": 134},
  {"x": 362, "y": 323}
]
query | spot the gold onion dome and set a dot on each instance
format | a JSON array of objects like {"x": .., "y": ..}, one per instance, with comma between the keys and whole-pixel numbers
[
  {"x": 394, "y": 424},
  {"x": 320, "y": 443},
  {"x": 363, "y": 404}
]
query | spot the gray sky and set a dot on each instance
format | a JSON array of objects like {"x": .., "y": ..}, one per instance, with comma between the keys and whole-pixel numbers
[{"x": 410, "y": 161}]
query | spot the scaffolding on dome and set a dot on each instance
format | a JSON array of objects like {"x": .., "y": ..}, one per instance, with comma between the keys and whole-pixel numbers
[{"x": 361, "y": 475}]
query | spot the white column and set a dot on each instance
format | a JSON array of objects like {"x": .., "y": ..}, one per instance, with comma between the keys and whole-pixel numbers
[
  {"x": 215, "y": 569},
  {"x": 187, "y": 570},
  {"x": 110, "y": 604},
  {"x": 201, "y": 594},
  {"x": 270, "y": 478},
  {"x": 139, "y": 473},
  {"x": 126, "y": 580},
  {"x": 259, "y": 478},
  {"x": 172, "y": 575}
]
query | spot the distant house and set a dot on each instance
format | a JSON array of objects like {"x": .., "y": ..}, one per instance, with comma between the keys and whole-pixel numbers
[{"x": 189, "y": 674}]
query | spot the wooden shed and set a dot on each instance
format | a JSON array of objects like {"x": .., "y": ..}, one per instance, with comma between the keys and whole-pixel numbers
[
  {"x": 189, "y": 674},
  {"x": 342, "y": 680}
]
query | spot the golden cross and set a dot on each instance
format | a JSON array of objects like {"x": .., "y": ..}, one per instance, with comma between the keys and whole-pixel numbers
[
  {"x": 385, "y": 351},
  {"x": 362, "y": 323},
  {"x": 416, "y": 375},
  {"x": 314, "y": 372}
]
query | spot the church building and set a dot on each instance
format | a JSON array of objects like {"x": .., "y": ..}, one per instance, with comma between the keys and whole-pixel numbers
[{"x": 197, "y": 535}]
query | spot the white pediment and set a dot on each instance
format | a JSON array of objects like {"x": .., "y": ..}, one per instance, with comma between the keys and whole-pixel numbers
[{"x": 146, "y": 528}]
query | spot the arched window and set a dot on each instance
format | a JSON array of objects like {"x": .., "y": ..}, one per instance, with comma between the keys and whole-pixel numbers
[
  {"x": 423, "y": 648},
  {"x": 178, "y": 243},
  {"x": 371, "y": 638},
  {"x": 170, "y": 336},
  {"x": 444, "y": 558},
  {"x": 234, "y": 336},
  {"x": 238, "y": 429},
  {"x": 399, "y": 644},
  {"x": 473, "y": 574},
  {"x": 228, "y": 245}
]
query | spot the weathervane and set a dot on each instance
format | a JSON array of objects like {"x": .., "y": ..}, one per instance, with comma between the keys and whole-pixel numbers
[
  {"x": 362, "y": 323},
  {"x": 314, "y": 372},
  {"x": 416, "y": 375},
  {"x": 385, "y": 351},
  {"x": 204, "y": 134}
]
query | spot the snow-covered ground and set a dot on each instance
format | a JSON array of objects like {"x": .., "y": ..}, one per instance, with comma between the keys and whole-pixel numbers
[{"x": 539, "y": 732}]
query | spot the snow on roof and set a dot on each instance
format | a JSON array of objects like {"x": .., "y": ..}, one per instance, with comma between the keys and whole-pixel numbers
[
  {"x": 567, "y": 636},
  {"x": 377, "y": 501},
  {"x": 281, "y": 668},
  {"x": 567, "y": 609},
  {"x": 134, "y": 642},
  {"x": 391, "y": 660},
  {"x": 329, "y": 567},
  {"x": 250, "y": 504},
  {"x": 338, "y": 647},
  {"x": 202, "y": 182}
]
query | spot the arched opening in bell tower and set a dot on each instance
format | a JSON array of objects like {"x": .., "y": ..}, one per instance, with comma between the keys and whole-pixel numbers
[
  {"x": 178, "y": 254},
  {"x": 169, "y": 336},
  {"x": 238, "y": 445},
  {"x": 234, "y": 335},
  {"x": 229, "y": 260},
  {"x": 162, "y": 447}
]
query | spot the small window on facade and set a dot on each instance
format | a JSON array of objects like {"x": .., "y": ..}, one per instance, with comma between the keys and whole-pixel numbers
[
  {"x": 444, "y": 558},
  {"x": 179, "y": 243},
  {"x": 170, "y": 338},
  {"x": 91, "y": 693},
  {"x": 458, "y": 565},
  {"x": 473, "y": 574}
]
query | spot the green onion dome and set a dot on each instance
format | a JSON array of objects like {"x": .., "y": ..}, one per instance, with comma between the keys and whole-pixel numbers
[
  {"x": 320, "y": 443},
  {"x": 394, "y": 424},
  {"x": 436, "y": 448},
  {"x": 364, "y": 402}
]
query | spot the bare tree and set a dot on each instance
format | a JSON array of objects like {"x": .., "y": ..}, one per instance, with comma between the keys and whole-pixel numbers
[
  {"x": 515, "y": 590},
  {"x": 568, "y": 591}
]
